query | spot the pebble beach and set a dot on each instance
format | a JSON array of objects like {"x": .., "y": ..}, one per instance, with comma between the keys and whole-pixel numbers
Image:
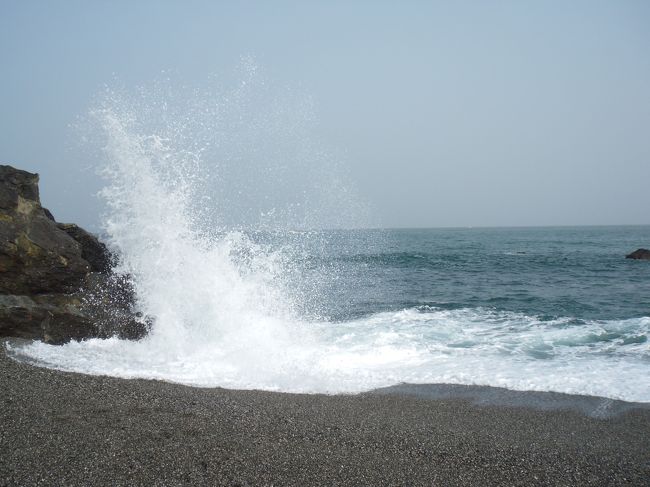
[{"x": 59, "y": 428}]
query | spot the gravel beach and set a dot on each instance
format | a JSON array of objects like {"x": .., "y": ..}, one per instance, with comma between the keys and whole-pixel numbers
[{"x": 69, "y": 429}]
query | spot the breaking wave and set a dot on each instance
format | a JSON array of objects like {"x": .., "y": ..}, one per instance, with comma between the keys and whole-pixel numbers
[{"x": 230, "y": 311}]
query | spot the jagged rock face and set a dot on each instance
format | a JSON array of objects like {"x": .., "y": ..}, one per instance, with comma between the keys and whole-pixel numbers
[
  {"x": 639, "y": 254},
  {"x": 50, "y": 318},
  {"x": 101, "y": 308},
  {"x": 92, "y": 250},
  {"x": 55, "y": 279},
  {"x": 36, "y": 256}
]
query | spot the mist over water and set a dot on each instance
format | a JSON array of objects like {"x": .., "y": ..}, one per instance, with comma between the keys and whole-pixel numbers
[{"x": 216, "y": 204}]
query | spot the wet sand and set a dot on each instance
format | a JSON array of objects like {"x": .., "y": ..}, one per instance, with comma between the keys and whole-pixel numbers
[{"x": 69, "y": 429}]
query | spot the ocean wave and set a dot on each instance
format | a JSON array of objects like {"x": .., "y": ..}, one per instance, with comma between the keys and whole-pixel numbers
[{"x": 417, "y": 345}]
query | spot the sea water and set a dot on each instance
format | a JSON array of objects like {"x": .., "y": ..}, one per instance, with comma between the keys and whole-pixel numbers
[
  {"x": 285, "y": 306},
  {"x": 556, "y": 309}
]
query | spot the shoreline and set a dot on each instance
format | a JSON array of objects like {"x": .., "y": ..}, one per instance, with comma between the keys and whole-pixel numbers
[
  {"x": 479, "y": 395},
  {"x": 72, "y": 429},
  {"x": 598, "y": 407}
]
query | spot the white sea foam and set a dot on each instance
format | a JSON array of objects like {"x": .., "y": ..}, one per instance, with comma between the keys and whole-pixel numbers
[
  {"x": 224, "y": 313},
  {"x": 417, "y": 346}
]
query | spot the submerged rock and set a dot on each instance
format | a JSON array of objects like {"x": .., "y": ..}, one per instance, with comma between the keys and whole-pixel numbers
[
  {"x": 639, "y": 254},
  {"x": 55, "y": 279}
]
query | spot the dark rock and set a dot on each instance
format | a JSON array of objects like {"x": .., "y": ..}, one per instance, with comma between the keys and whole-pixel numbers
[
  {"x": 20, "y": 183},
  {"x": 639, "y": 254},
  {"x": 92, "y": 250},
  {"x": 50, "y": 319},
  {"x": 59, "y": 318},
  {"x": 55, "y": 279},
  {"x": 108, "y": 299},
  {"x": 49, "y": 214},
  {"x": 36, "y": 256}
]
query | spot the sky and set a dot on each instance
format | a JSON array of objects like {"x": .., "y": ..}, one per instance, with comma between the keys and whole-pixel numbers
[{"x": 445, "y": 114}]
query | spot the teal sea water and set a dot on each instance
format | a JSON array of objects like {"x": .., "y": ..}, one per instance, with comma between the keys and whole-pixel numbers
[
  {"x": 547, "y": 272},
  {"x": 544, "y": 309}
]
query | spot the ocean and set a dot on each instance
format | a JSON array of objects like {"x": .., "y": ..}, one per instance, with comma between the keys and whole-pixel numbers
[
  {"x": 545, "y": 309},
  {"x": 547, "y": 272}
]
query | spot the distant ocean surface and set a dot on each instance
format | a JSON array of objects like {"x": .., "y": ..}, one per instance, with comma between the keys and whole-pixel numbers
[{"x": 550, "y": 273}]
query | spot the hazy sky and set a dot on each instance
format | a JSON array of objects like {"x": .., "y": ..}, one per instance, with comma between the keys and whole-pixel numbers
[{"x": 447, "y": 113}]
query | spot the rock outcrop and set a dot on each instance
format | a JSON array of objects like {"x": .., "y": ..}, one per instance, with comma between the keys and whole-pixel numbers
[
  {"x": 639, "y": 254},
  {"x": 55, "y": 279},
  {"x": 92, "y": 250},
  {"x": 36, "y": 256}
]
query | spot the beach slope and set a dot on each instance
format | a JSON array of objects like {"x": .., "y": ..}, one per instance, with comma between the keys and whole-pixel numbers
[{"x": 69, "y": 429}]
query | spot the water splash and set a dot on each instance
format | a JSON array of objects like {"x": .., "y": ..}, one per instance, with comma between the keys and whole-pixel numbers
[{"x": 240, "y": 309}]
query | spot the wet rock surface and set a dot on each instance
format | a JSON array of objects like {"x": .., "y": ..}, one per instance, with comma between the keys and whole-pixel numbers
[{"x": 55, "y": 279}]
